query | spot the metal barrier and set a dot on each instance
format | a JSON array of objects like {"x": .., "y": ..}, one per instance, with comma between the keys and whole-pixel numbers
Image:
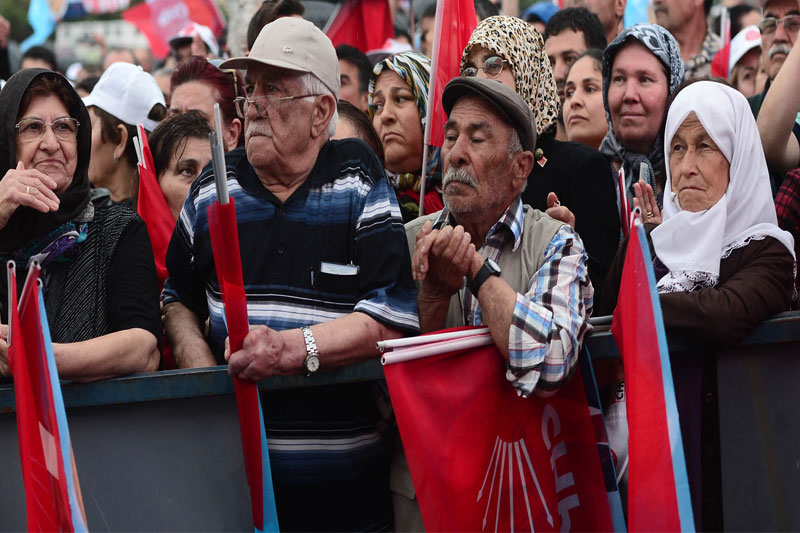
[{"x": 161, "y": 450}]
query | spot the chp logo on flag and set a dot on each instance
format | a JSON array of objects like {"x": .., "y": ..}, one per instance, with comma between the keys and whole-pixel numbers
[{"x": 481, "y": 457}]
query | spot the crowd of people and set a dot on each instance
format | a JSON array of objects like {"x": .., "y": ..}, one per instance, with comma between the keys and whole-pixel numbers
[{"x": 560, "y": 123}]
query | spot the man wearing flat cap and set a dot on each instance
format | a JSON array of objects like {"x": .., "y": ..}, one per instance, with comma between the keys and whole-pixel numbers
[
  {"x": 487, "y": 259},
  {"x": 494, "y": 261},
  {"x": 327, "y": 275}
]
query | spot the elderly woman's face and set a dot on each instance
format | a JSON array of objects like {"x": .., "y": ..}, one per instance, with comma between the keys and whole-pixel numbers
[
  {"x": 397, "y": 122},
  {"x": 55, "y": 156},
  {"x": 700, "y": 172},
  {"x": 477, "y": 57},
  {"x": 637, "y": 96}
]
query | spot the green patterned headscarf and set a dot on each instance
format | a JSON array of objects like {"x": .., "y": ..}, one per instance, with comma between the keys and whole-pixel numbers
[{"x": 415, "y": 69}]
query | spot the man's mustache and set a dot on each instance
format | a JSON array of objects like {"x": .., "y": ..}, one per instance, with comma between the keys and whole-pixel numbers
[
  {"x": 779, "y": 48},
  {"x": 258, "y": 127},
  {"x": 459, "y": 176}
]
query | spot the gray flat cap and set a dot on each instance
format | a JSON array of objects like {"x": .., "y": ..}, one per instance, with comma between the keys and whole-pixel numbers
[{"x": 510, "y": 105}]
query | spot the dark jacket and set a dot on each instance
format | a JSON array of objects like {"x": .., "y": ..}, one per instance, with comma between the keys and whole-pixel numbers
[
  {"x": 755, "y": 283},
  {"x": 581, "y": 178}
]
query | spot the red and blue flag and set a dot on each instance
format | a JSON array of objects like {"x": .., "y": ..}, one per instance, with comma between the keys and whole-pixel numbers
[
  {"x": 658, "y": 487},
  {"x": 228, "y": 263},
  {"x": 52, "y": 491}
]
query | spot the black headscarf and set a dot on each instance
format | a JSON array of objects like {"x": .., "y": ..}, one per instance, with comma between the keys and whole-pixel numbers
[{"x": 27, "y": 224}]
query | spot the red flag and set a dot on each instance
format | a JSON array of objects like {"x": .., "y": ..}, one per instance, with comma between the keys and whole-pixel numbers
[
  {"x": 52, "y": 492},
  {"x": 482, "y": 458},
  {"x": 153, "y": 208},
  {"x": 658, "y": 488},
  {"x": 365, "y": 24},
  {"x": 455, "y": 21},
  {"x": 227, "y": 260},
  {"x": 160, "y": 20}
]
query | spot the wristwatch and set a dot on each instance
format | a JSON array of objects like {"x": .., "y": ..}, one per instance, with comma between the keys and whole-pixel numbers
[
  {"x": 489, "y": 268},
  {"x": 312, "y": 353}
]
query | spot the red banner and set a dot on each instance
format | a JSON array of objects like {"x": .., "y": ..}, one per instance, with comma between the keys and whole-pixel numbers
[
  {"x": 228, "y": 263},
  {"x": 484, "y": 459},
  {"x": 365, "y": 24},
  {"x": 658, "y": 488},
  {"x": 153, "y": 208},
  {"x": 160, "y": 20},
  {"x": 455, "y": 21},
  {"x": 52, "y": 493}
]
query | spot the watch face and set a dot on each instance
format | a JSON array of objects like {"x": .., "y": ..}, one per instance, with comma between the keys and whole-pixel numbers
[
  {"x": 312, "y": 363},
  {"x": 493, "y": 266}
]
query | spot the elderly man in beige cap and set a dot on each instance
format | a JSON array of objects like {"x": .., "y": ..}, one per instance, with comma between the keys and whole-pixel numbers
[{"x": 327, "y": 274}]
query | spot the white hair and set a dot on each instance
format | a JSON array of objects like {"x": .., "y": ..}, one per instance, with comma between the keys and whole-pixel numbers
[{"x": 314, "y": 85}]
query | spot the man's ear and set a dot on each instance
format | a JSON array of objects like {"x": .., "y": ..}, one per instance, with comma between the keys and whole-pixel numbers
[
  {"x": 322, "y": 114},
  {"x": 521, "y": 168}
]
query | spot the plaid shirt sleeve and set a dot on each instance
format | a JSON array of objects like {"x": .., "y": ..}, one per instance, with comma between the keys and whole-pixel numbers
[{"x": 551, "y": 319}]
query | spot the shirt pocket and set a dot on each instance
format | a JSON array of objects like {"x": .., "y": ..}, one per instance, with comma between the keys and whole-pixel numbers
[{"x": 338, "y": 279}]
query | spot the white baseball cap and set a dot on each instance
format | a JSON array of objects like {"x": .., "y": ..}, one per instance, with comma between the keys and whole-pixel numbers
[
  {"x": 743, "y": 42},
  {"x": 188, "y": 32},
  {"x": 294, "y": 44},
  {"x": 128, "y": 93}
]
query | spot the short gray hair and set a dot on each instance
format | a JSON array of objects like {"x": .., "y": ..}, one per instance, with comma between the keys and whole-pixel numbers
[
  {"x": 313, "y": 85},
  {"x": 515, "y": 147}
]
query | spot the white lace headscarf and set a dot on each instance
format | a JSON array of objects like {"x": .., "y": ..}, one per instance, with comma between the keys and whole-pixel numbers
[{"x": 691, "y": 245}]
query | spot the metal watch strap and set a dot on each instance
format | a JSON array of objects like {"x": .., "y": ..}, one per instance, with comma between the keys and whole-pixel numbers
[{"x": 312, "y": 352}]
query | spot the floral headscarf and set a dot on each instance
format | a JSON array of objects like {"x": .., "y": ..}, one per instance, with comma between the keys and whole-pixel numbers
[
  {"x": 522, "y": 46},
  {"x": 415, "y": 69},
  {"x": 662, "y": 45}
]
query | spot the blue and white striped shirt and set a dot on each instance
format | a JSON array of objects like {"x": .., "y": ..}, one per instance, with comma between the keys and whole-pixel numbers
[{"x": 336, "y": 246}]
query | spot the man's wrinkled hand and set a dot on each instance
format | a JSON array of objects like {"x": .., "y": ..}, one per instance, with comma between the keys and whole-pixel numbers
[
  {"x": 264, "y": 354},
  {"x": 5, "y": 371},
  {"x": 441, "y": 260}
]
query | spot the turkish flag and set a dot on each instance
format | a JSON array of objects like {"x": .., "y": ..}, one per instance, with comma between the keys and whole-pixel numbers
[
  {"x": 483, "y": 458},
  {"x": 455, "y": 21},
  {"x": 228, "y": 263},
  {"x": 160, "y": 20},
  {"x": 658, "y": 488},
  {"x": 52, "y": 492},
  {"x": 153, "y": 208},
  {"x": 365, "y": 24}
]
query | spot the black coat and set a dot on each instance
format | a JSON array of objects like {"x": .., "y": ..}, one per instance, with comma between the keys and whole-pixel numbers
[{"x": 582, "y": 179}]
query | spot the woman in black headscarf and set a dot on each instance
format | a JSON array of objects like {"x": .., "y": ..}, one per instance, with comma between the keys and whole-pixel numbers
[
  {"x": 100, "y": 287},
  {"x": 641, "y": 69}
]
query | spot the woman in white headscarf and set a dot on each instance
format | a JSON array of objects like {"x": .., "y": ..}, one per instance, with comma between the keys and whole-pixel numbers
[{"x": 722, "y": 264}]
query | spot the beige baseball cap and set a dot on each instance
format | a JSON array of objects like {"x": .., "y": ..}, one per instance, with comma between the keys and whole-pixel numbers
[{"x": 294, "y": 44}]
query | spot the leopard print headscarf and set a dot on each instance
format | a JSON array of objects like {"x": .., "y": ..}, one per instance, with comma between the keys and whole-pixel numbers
[{"x": 523, "y": 47}]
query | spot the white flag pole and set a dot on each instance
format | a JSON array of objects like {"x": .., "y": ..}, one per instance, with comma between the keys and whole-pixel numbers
[
  {"x": 428, "y": 339},
  {"x": 438, "y": 348}
]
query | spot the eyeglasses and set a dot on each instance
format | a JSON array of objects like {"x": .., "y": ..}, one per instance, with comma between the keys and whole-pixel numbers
[
  {"x": 492, "y": 67},
  {"x": 32, "y": 129},
  {"x": 768, "y": 26},
  {"x": 263, "y": 103}
]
